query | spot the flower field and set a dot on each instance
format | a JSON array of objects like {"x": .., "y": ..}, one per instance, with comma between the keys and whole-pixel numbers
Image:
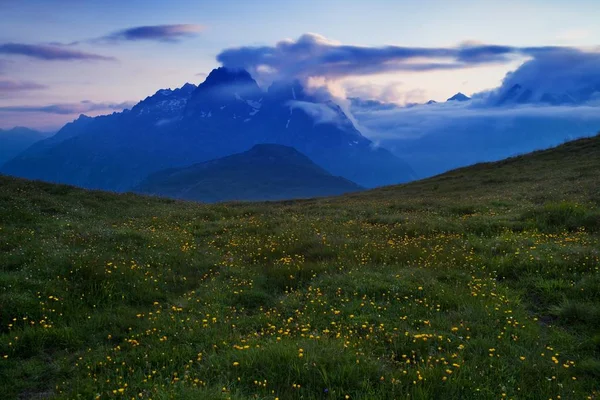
[{"x": 481, "y": 283}]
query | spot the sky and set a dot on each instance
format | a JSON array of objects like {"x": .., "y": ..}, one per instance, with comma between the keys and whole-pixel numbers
[{"x": 65, "y": 57}]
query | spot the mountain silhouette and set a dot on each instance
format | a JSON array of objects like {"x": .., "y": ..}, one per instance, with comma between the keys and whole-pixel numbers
[
  {"x": 14, "y": 141},
  {"x": 265, "y": 172},
  {"x": 228, "y": 113}
]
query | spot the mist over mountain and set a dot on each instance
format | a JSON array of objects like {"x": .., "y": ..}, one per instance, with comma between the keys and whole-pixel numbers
[
  {"x": 226, "y": 114},
  {"x": 565, "y": 77},
  {"x": 438, "y": 137},
  {"x": 546, "y": 101},
  {"x": 265, "y": 172}
]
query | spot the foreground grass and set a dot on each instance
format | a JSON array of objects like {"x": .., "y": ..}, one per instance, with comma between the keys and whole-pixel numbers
[{"x": 480, "y": 283}]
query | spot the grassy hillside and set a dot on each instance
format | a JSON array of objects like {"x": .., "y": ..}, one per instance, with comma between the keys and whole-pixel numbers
[{"x": 480, "y": 283}]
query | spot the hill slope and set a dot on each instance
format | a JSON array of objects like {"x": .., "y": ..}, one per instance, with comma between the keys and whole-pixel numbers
[
  {"x": 483, "y": 281},
  {"x": 570, "y": 170},
  {"x": 265, "y": 172}
]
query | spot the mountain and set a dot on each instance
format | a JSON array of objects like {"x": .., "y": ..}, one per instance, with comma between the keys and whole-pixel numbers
[
  {"x": 70, "y": 130},
  {"x": 265, "y": 172},
  {"x": 459, "y": 97},
  {"x": 228, "y": 113},
  {"x": 462, "y": 142},
  {"x": 110, "y": 151},
  {"x": 15, "y": 140},
  {"x": 518, "y": 94},
  {"x": 231, "y": 102}
]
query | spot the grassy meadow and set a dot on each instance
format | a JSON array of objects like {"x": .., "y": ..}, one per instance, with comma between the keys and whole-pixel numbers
[{"x": 481, "y": 283}]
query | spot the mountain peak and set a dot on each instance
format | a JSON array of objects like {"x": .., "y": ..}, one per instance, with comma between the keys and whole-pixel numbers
[
  {"x": 225, "y": 75},
  {"x": 265, "y": 172},
  {"x": 186, "y": 89},
  {"x": 188, "y": 86},
  {"x": 459, "y": 97},
  {"x": 17, "y": 129},
  {"x": 225, "y": 91},
  {"x": 516, "y": 94}
]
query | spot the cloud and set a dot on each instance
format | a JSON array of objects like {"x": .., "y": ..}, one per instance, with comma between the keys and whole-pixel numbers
[
  {"x": 557, "y": 77},
  {"x": 573, "y": 35},
  {"x": 557, "y": 99},
  {"x": 388, "y": 93},
  {"x": 11, "y": 86},
  {"x": 392, "y": 92},
  {"x": 319, "y": 112},
  {"x": 68, "y": 108},
  {"x": 161, "y": 33},
  {"x": 314, "y": 55},
  {"x": 438, "y": 137},
  {"x": 414, "y": 122},
  {"x": 50, "y": 52}
]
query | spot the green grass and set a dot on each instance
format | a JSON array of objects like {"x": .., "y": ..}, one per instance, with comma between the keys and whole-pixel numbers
[{"x": 480, "y": 283}]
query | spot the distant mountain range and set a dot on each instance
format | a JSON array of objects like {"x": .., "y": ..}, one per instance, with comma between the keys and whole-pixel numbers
[
  {"x": 518, "y": 94},
  {"x": 265, "y": 172},
  {"x": 15, "y": 140},
  {"x": 359, "y": 104},
  {"x": 505, "y": 95},
  {"x": 228, "y": 113}
]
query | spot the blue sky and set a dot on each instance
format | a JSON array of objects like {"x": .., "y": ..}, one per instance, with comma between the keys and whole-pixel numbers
[{"x": 143, "y": 66}]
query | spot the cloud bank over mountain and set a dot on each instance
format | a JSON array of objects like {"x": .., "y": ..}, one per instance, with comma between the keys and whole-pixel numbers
[
  {"x": 557, "y": 85},
  {"x": 558, "y": 77},
  {"x": 313, "y": 55},
  {"x": 437, "y": 137},
  {"x": 552, "y": 96}
]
